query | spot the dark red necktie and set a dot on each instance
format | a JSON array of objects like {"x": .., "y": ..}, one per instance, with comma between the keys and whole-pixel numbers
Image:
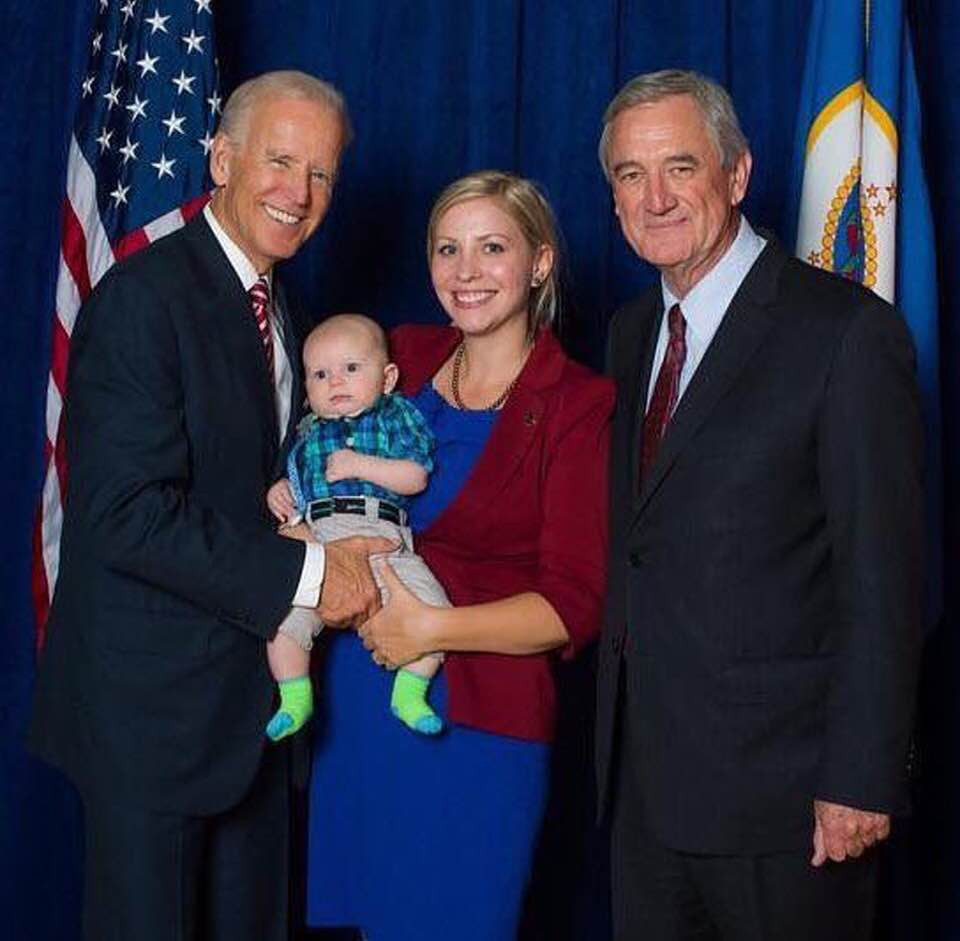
[
  {"x": 665, "y": 392},
  {"x": 260, "y": 301}
]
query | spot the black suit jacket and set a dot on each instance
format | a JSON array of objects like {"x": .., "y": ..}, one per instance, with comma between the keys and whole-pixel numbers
[
  {"x": 154, "y": 682},
  {"x": 763, "y": 620}
]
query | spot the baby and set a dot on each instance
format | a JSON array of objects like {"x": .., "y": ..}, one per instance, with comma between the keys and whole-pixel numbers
[{"x": 358, "y": 458}]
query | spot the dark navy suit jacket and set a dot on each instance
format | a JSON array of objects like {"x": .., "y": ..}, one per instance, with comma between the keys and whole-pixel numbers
[
  {"x": 154, "y": 683},
  {"x": 763, "y": 618}
]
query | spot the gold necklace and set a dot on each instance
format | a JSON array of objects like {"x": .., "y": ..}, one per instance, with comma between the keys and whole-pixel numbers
[{"x": 455, "y": 385}]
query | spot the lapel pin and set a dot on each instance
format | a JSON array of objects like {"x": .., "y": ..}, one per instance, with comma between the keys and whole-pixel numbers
[{"x": 529, "y": 419}]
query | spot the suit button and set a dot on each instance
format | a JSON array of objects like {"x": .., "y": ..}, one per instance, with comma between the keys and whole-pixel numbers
[{"x": 636, "y": 559}]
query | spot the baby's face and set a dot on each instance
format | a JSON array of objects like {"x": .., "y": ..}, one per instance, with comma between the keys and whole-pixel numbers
[{"x": 345, "y": 373}]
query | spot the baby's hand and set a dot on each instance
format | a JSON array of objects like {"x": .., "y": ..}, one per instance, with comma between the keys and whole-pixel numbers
[
  {"x": 344, "y": 464},
  {"x": 280, "y": 501}
]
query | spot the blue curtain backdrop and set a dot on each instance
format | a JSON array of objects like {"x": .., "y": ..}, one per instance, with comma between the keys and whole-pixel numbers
[{"x": 437, "y": 89}]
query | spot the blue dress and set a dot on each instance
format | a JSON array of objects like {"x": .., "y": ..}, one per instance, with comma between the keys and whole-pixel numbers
[{"x": 413, "y": 837}]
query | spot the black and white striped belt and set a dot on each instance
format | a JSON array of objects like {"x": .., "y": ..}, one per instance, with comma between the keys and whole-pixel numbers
[{"x": 357, "y": 506}]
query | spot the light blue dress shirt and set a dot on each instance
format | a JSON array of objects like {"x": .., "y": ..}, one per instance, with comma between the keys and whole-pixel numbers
[{"x": 706, "y": 304}]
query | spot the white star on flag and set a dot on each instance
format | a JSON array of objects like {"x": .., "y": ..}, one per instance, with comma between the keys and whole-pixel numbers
[
  {"x": 202, "y": 6},
  {"x": 88, "y": 85},
  {"x": 148, "y": 64},
  {"x": 157, "y": 21},
  {"x": 120, "y": 194},
  {"x": 127, "y": 9},
  {"x": 104, "y": 140},
  {"x": 164, "y": 167},
  {"x": 184, "y": 82},
  {"x": 206, "y": 142},
  {"x": 174, "y": 124},
  {"x": 138, "y": 109},
  {"x": 120, "y": 53},
  {"x": 112, "y": 96},
  {"x": 129, "y": 150},
  {"x": 193, "y": 41},
  {"x": 214, "y": 102}
]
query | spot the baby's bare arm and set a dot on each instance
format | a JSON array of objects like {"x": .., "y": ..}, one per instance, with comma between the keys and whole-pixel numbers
[{"x": 396, "y": 474}]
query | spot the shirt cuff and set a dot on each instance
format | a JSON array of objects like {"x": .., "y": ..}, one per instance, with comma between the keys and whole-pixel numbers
[{"x": 311, "y": 576}]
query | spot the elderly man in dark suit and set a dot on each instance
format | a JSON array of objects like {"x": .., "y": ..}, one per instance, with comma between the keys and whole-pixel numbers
[
  {"x": 153, "y": 692},
  {"x": 757, "y": 674}
]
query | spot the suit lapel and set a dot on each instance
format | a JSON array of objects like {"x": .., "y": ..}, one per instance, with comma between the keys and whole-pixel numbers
[
  {"x": 227, "y": 305},
  {"x": 743, "y": 328}
]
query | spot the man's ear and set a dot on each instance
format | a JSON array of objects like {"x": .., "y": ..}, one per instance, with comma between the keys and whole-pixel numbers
[
  {"x": 220, "y": 153},
  {"x": 390, "y": 376},
  {"x": 740, "y": 177}
]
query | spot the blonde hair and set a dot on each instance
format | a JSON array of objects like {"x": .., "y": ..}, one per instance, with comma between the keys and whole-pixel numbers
[{"x": 527, "y": 206}]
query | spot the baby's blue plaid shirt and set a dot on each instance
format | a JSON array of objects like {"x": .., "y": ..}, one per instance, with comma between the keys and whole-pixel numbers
[{"x": 393, "y": 428}]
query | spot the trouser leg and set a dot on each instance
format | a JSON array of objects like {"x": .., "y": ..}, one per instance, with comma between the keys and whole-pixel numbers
[
  {"x": 780, "y": 895},
  {"x": 170, "y": 877},
  {"x": 247, "y": 873},
  {"x": 141, "y": 877}
]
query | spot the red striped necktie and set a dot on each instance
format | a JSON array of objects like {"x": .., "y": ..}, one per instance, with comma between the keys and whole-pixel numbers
[
  {"x": 665, "y": 392},
  {"x": 260, "y": 301}
]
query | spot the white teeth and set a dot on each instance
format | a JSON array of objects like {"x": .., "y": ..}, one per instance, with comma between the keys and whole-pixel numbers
[
  {"x": 280, "y": 216},
  {"x": 471, "y": 297}
]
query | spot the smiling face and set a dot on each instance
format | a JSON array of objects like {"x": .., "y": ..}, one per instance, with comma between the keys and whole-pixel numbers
[
  {"x": 482, "y": 266},
  {"x": 678, "y": 205},
  {"x": 275, "y": 179},
  {"x": 345, "y": 366}
]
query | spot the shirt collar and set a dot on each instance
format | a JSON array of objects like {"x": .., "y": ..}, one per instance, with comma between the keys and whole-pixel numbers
[
  {"x": 708, "y": 300},
  {"x": 247, "y": 274}
]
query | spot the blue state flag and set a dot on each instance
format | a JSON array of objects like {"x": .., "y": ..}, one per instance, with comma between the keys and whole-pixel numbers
[{"x": 864, "y": 208}]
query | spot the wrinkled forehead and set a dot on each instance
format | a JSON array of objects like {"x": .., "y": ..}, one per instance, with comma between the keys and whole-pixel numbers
[{"x": 276, "y": 107}]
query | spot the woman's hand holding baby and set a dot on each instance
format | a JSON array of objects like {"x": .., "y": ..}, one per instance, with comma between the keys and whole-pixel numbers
[{"x": 400, "y": 631}]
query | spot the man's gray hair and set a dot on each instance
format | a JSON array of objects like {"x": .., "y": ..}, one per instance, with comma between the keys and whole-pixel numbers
[
  {"x": 287, "y": 83},
  {"x": 712, "y": 99}
]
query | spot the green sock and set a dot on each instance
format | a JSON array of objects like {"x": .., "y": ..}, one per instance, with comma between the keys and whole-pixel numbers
[
  {"x": 296, "y": 706},
  {"x": 409, "y": 703}
]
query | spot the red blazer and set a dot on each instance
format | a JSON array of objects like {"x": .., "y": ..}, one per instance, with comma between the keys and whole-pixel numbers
[{"x": 532, "y": 516}]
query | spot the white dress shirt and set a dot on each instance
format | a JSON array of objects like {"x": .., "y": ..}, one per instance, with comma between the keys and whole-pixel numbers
[
  {"x": 706, "y": 304},
  {"x": 314, "y": 562}
]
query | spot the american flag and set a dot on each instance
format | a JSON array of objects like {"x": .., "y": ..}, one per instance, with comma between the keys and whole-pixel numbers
[{"x": 137, "y": 170}]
